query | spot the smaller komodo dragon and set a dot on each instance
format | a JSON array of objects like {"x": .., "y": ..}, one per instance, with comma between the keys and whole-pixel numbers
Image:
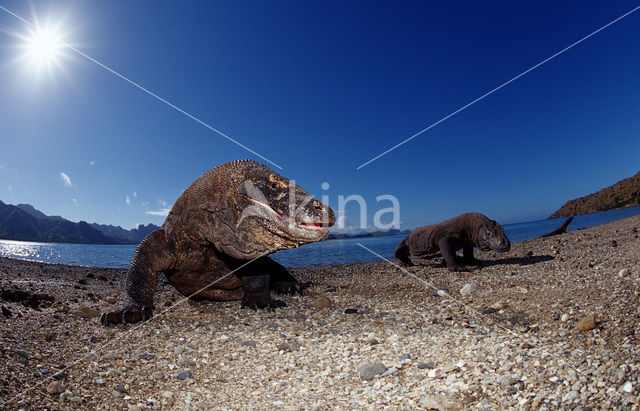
[
  {"x": 234, "y": 213},
  {"x": 465, "y": 232}
]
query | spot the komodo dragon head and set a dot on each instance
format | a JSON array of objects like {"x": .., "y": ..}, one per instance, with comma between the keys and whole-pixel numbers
[
  {"x": 491, "y": 236},
  {"x": 251, "y": 210}
]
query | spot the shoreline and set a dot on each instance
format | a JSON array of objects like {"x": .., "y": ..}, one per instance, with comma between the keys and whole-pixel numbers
[{"x": 513, "y": 343}]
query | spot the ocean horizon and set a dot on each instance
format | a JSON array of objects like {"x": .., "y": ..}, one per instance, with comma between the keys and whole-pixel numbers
[{"x": 329, "y": 252}]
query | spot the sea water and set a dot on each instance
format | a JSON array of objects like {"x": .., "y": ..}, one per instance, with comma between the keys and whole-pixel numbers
[{"x": 329, "y": 252}]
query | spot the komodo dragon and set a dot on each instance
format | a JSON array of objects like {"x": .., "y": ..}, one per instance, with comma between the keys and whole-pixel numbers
[
  {"x": 215, "y": 240},
  {"x": 465, "y": 232}
]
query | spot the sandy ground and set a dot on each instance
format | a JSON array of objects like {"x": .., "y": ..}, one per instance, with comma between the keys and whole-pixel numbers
[{"x": 513, "y": 343}]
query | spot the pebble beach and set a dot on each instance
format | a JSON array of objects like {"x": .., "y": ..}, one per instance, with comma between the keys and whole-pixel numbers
[{"x": 553, "y": 323}]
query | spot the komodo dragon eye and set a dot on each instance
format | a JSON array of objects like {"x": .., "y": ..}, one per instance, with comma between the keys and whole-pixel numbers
[{"x": 274, "y": 186}]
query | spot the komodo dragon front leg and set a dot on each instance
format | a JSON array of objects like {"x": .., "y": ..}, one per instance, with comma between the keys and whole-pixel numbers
[
  {"x": 151, "y": 257},
  {"x": 448, "y": 249}
]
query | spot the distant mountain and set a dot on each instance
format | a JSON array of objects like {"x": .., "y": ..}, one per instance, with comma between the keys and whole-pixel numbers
[
  {"x": 624, "y": 193},
  {"x": 371, "y": 234},
  {"x": 26, "y": 223},
  {"x": 28, "y": 208},
  {"x": 133, "y": 236},
  {"x": 16, "y": 224}
]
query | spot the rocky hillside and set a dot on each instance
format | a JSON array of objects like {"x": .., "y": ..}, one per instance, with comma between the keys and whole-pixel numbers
[
  {"x": 17, "y": 224},
  {"x": 24, "y": 222},
  {"x": 624, "y": 193}
]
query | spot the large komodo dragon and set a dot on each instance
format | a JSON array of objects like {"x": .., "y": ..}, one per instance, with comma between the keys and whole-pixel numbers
[
  {"x": 465, "y": 232},
  {"x": 231, "y": 215}
]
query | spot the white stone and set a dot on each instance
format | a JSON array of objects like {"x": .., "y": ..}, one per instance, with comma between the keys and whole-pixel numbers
[
  {"x": 564, "y": 318},
  {"x": 468, "y": 289},
  {"x": 624, "y": 272}
]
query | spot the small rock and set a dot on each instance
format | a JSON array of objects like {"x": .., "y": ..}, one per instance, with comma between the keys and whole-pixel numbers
[
  {"x": 6, "y": 312},
  {"x": 570, "y": 396},
  {"x": 294, "y": 346},
  {"x": 322, "y": 302},
  {"x": 109, "y": 356},
  {"x": 373, "y": 341},
  {"x": 627, "y": 387},
  {"x": 112, "y": 300},
  {"x": 506, "y": 380},
  {"x": 564, "y": 318},
  {"x": 55, "y": 388},
  {"x": 436, "y": 373},
  {"x": 351, "y": 311},
  {"x": 48, "y": 335},
  {"x": 101, "y": 381},
  {"x": 86, "y": 312},
  {"x": 147, "y": 356},
  {"x": 468, "y": 289},
  {"x": 587, "y": 323},
  {"x": 66, "y": 395},
  {"x": 490, "y": 310},
  {"x": 624, "y": 272},
  {"x": 526, "y": 345},
  {"x": 121, "y": 389},
  {"x": 390, "y": 371},
  {"x": 183, "y": 375},
  {"x": 614, "y": 243},
  {"x": 426, "y": 365},
  {"x": 440, "y": 402},
  {"x": 24, "y": 354},
  {"x": 178, "y": 350},
  {"x": 405, "y": 356},
  {"x": 186, "y": 362},
  {"x": 248, "y": 343},
  {"x": 283, "y": 346},
  {"x": 60, "y": 375},
  {"x": 135, "y": 408},
  {"x": 369, "y": 370}
]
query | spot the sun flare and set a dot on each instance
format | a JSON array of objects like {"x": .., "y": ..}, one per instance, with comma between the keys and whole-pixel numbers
[{"x": 44, "y": 47}]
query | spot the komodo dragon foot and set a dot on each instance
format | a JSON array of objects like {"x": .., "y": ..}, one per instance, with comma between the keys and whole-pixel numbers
[
  {"x": 127, "y": 315},
  {"x": 290, "y": 287}
]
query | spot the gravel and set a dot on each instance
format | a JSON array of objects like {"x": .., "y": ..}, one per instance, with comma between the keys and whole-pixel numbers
[{"x": 500, "y": 347}]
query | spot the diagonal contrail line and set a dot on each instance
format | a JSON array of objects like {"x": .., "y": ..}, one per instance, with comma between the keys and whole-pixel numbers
[
  {"x": 499, "y": 87},
  {"x": 133, "y": 83}
]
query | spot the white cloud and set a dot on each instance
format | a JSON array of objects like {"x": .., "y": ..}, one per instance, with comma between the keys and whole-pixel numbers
[
  {"x": 92, "y": 162},
  {"x": 74, "y": 201},
  {"x": 9, "y": 188},
  {"x": 163, "y": 212},
  {"x": 127, "y": 200},
  {"x": 162, "y": 203},
  {"x": 135, "y": 195},
  {"x": 66, "y": 180},
  {"x": 145, "y": 204}
]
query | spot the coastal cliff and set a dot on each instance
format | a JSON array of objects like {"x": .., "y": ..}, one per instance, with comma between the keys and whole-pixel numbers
[{"x": 624, "y": 193}]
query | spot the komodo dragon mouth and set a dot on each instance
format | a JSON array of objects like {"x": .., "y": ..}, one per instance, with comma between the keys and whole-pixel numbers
[{"x": 290, "y": 221}]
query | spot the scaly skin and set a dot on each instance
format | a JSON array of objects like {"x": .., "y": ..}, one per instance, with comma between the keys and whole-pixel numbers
[
  {"x": 234, "y": 214},
  {"x": 465, "y": 232}
]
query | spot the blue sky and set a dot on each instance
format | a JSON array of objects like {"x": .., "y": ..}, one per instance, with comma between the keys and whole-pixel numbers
[{"x": 320, "y": 88}]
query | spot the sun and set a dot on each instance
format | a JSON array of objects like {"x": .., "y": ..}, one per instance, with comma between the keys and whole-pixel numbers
[{"x": 43, "y": 48}]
